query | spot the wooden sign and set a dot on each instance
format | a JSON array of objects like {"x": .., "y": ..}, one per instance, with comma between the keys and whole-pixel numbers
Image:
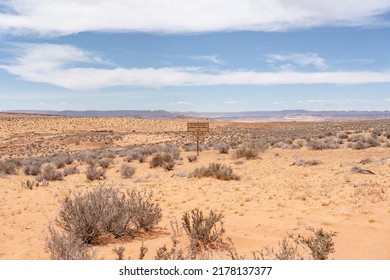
[
  {"x": 198, "y": 127},
  {"x": 199, "y": 137}
]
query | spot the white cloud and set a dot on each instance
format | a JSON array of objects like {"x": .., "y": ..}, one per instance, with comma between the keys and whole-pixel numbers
[
  {"x": 208, "y": 58},
  {"x": 58, "y": 17},
  {"x": 231, "y": 102},
  {"x": 291, "y": 60},
  {"x": 59, "y": 65},
  {"x": 181, "y": 103}
]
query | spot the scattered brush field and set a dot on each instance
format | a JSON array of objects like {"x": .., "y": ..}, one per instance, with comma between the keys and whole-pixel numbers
[{"x": 119, "y": 188}]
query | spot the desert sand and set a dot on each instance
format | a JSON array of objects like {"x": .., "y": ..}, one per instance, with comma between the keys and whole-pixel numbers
[{"x": 274, "y": 195}]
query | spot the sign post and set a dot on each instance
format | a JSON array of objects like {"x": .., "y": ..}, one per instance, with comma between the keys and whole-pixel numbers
[{"x": 198, "y": 129}]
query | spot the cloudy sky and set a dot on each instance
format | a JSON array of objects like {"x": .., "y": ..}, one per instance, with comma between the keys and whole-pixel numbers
[{"x": 195, "y": 55}]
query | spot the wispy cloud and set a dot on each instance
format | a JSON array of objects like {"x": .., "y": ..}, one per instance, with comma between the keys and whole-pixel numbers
[
  {"x": 231, "y": 102},
  {"x": 181, "y": 103},
  {"x": 208, "y": 58},
  {"x": 64, "y": 66},
  {"x": 52, "y": 17},
  {"x": 291, "y": 61}
]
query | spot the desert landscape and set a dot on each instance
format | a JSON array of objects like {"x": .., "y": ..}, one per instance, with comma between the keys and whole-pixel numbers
[{"x": 264, "y": 182}]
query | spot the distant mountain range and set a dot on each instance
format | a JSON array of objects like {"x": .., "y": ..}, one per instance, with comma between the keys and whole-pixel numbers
[{"x": 249, "y": 115}]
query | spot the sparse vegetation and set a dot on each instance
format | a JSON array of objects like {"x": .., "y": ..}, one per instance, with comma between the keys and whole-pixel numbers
[
  {"x": 215, "y": 170},
  {"x": 127, "y": 171},
  {"x": 203, "y": 231},
  {"x": 107, "y": 210},
  {"x": 94, "y": 173}
]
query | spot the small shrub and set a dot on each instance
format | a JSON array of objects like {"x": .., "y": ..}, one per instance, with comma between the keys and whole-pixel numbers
[
  {"x": 305, "y": 162},
  {"x": 222, "y": 147},
  {"x": 107, "y": 210},
  {"x": 65, "y": 246},
  {"x": 323, "y": 144},
  {"x": 164, "y": 160},
  {"x": 8, "y": 167},
  {"x": 358, "y": 169},
  {"x": 364, "y": 143},
  {"x": 49, "y": 173},
  {"x": 105, "y": 162},
  {"x": 216, "y": 170},
  {"x": 127, "y": 171},
  {"x": 94, "y": 173},
  {"x": 71, "y": 170},
  {"x": 192, "y": 158},
  {"x": 320, "y": 245},
  {"x": 203, "y": 231},
  {"x": 33, "y": 168}
]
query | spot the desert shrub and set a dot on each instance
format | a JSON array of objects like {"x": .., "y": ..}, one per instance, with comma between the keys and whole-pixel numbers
[
  {"x": 190, "y": 147},
  {"x": 203, "y": 231},
  {"x": 8, "y": 167},
  {"x": 71, "y": 170},
  {"x": 250, "y": 150},
  {"x": 61, "y": 160},
  {"x": 305, "y": 162},
  {"x": 376, "y": 132},
  {"x": 318, "y": 246},
  {"x": 365, "y": 160},
  {"x": 107, "y": 210},
  {"x": 32, "y": 168},
  {"x": 147, "y": 213},
  {"x": 323, "y": 144},
  {"x": 164, "y": 160},
  {"x": 386, "y": 134},
  {"x": 359, "y": 170},
  {"x": 287, "y": 250},
  {"x": 364, "y": 143},
  {"x": 49, "y": 173},
  {"x": 192, "y": 158},
  {"x": 94, "y": 173},
  {"x": 136, "y": 154},
  {"x": 105, "y": 162},
  {"x": 127, "y": 171},
  {"x": 170, "y": 149},
  {"x": 342, "y": 135},
  {"x": 215, "y": 170},
  {"x": 65, "y": 246},
  {"x": 88, "y": 157},
  {"x": 222, "y": 147}
]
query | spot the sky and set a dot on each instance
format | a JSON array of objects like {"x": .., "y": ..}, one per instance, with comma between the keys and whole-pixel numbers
[{"x": 195, "y": 55}]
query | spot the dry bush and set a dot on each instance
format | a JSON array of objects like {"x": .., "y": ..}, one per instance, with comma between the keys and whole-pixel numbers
[
  {"x": 215, "y": 170},
  {"x": 250, "y": 150},
  {"x": 105, "y": 162},
  {"x": 49, "y": 173},
  {"x": 33, "y": 168},
  {"x": 106, "y": 210},
  {"x": 192, "y": 158},
  {"x": 127, "y": 171},
  {"x": 8, "y": 167},
  {"x": 66, "y": 246},
  {"x": 222, "y": 147},
  {"x": 203, "y": 231},
  {"x": 168, "y": 148},
  {"x": 359, "y": 170},
  {"x": 318, "y": 246},
  {"x": 61, "y": 160},
  {"x": 364, "y": 143},
  {"x": 306, "y": 162},
  {"x": 164, "y": 160},
  {"x": 323, "y": 144},
  {"x": 71, "y": 170},
  {"x": 94, "y": 173}
]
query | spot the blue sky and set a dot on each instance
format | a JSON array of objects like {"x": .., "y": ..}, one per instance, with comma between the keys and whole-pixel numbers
[{"x": 200, "y": 55}]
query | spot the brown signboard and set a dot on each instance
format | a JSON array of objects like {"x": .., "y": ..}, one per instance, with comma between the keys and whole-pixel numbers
[{"x": 198, "y": 127}]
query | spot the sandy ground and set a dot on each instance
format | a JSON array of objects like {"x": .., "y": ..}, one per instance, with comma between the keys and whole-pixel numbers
[{"x": 272, "y": 197}]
